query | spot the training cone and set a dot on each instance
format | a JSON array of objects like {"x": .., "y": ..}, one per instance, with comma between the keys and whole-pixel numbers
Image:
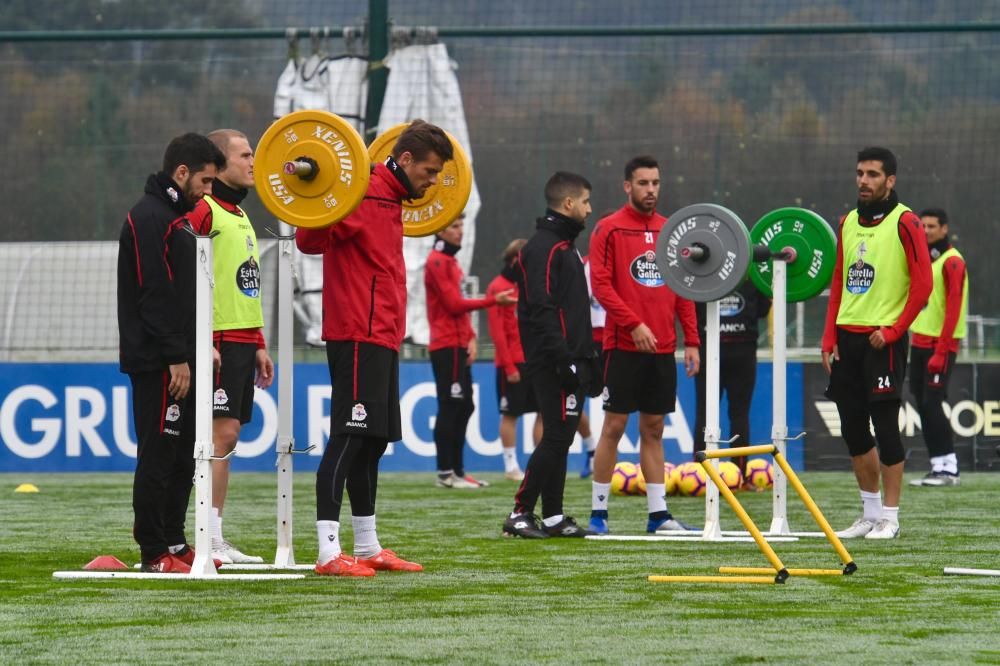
[
  {"x": 105, "y": 563},
  {"x": 26, "y": 488}
]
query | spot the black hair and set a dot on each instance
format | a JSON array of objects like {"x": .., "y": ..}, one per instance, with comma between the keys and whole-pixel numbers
[
  {"x": 193, "y": 150},
  {"x": 564, "y": 184},
  {"x": 939, "y": 213},
  {"x": 640, "y": 162},
  {"x": 883, "y": 155}
]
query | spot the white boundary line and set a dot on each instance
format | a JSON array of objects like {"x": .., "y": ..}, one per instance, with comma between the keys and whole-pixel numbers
[
  {"x": 682, "y": 539},
  {"x": 732, "y": 533},
  {"x": 959, "y": 571},
  {"x": 171, "y": 577}
]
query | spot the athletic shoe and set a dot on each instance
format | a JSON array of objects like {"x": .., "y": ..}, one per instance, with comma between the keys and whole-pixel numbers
[
  {"x": 223, "y": 550},
  {"x": 859, "y": 528},
  {"x": 588, "y": 465},
  {"x": 342, "y": 565},
  {"x": 884, "y": 529},
  {"x": 464, "y": 482},
  {"x": 566, "y": 527},
  {"x": 938, "y": 479},
  {"x": 186, "y": 555},
  {"x": 653, "y": 525},
  {"x": 387, "y": 560},
  {"x": 599, "y": 525},
  {"x": 166, "y": 564},
  {"x": 514, "y": 475},
  {"x": 920, "y": 481},
  {"x": 469, "y": 478},
  {"x": 523, "y": 525},
  {"x": 445, "y": 482}
]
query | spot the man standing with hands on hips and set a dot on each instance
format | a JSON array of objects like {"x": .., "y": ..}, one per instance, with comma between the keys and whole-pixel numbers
[{"x": 881, "y": 281}]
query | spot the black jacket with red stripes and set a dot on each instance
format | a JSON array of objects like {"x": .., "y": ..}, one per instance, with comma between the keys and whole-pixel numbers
[
  {"x": 156, "y": 288},
  {"x": 553, "y": 306}
]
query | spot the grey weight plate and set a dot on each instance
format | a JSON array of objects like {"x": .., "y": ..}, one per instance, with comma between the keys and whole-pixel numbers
[{"x": 703, "y": 252}]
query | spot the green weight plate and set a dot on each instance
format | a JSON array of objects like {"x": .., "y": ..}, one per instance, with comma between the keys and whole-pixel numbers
[{"x": 815, "y": 247}]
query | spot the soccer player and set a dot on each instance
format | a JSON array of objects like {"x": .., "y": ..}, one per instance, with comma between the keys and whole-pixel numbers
[
  {"x": 237, "y": 318},
  {"x": 936, "y": 334},
  {"x": 640, "y": 373},
  {"x": 156, "y": 312},
  {"x": 453, "y": 350},
  {"x": 364, "y": 320},
  {"x": 514, "y": 394},
  {"x": 554, "y": 319},
  {"x": 881, "y": 281}
]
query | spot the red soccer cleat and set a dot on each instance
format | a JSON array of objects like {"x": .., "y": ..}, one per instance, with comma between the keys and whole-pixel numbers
[
  {"x": 387, "y": 560},
  {"x": 166, "y": 564},
  {"x": 186, "y": 555},
  {"x": 342, "y": 565}
]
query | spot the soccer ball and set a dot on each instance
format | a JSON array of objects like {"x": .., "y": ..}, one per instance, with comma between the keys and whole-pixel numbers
[
  {"x": 625, "y": 479},
  {"x": 640, "y": 482},
  {"x": 731, "y": 474},
  {"x": 668, "y": 478},
  {"x": 760, "y": 474},
  {"x": 692, "y": 479}
]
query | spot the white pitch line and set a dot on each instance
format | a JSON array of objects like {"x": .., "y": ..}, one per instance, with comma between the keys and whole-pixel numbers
[
  {"x": 725, "y": 533},
  {"x": 959, "y": 571},
  {"x": 266, "y": 567},
  {"x": 170, "y": 577},
  {"x": 684, "y": 539}
]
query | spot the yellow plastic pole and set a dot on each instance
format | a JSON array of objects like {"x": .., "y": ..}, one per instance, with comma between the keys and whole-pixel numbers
[
  {"x": 739, "y": 451},
  {"x": 748, "y": 523},
  {"x": 831, "y": 536},
  {"x": 791, "y": 572},
  {"x": 762, "y": 580}
]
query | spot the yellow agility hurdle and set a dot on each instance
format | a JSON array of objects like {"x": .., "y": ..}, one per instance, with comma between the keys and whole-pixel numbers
[{"x": 754, "y": 574}]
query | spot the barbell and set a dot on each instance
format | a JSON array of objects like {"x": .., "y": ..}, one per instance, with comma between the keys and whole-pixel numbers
[
  {"x": 704, "y": 252},
  {"x": 312, "y": 169}
]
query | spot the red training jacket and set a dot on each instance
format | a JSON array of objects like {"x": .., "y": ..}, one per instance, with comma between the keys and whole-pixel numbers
[
  {"x": 364, "y": 274},
  {"x": 447, "y": 310},
  {"x": 503, "y": 328},
  {"x": 627, "y": 282},
  {"x": 918, "y": 264}
]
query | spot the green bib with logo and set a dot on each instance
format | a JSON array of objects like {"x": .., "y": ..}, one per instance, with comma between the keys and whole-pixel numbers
[
  {"x": 930, "y": 321},
  {"x": 237, "y": 271},
  {"x": 876, "y": 279}
]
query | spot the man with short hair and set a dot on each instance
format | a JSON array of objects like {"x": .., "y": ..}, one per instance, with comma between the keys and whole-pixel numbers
[
  {"x": 640, "y": 373},
  {"x": 453, "y": 350},
  {"x": 364, "y": 321},
  {"x": 554, "y": 320},
  {"x": 937, "y": 331},
  {"x": 237, "y": 319},
  {"x": 880, "y": 283},
  {"x": 514, "y": 395},
  {"x": 156, "y": 313}
]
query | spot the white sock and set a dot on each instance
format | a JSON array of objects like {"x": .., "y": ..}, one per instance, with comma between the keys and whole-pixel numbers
[
  {"x": 656, "y": 497},
  {"x": 946, "y": 463},
  {"x": 365, "y": 539},
  {"x": 599, "y": 496},
  {"x": 328, "y": 532},
  {"x": 891, "y": 513},
  {"x": 872, "y": 503},
  {"x": 588, "y": 444},
  {"x": 510, "y": 460},
  {"x": 552, "y": 520},
  {"x": 216, "y": 525}
]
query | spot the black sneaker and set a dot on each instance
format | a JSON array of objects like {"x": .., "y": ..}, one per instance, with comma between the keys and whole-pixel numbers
[
  {"x": 523, "y": 525},
  {"x": 938, "y": 479},
  {"x": 566, "y": 527}
]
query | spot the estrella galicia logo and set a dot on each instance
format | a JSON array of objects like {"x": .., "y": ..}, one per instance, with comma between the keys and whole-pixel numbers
[
  {"x": 645, "y": 271},
  {"x": 860, "y": 275},
  {"x": 732, "y": 305},
  {"x": 248, "y": 278}
]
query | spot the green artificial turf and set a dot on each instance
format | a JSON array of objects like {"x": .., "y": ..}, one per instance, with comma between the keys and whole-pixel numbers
[{"x": 486, "y": 599}]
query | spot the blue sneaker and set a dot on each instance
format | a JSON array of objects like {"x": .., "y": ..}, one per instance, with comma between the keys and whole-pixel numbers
[
  {"x": 599, "y": 522},
  {"x": 588, "y": 465},
  {"x": 653, "y": 525}
]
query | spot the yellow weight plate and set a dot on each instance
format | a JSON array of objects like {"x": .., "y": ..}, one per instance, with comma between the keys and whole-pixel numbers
[
  {"x": 311, "y": 169},
  {"x": 443, "y": 201}
]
